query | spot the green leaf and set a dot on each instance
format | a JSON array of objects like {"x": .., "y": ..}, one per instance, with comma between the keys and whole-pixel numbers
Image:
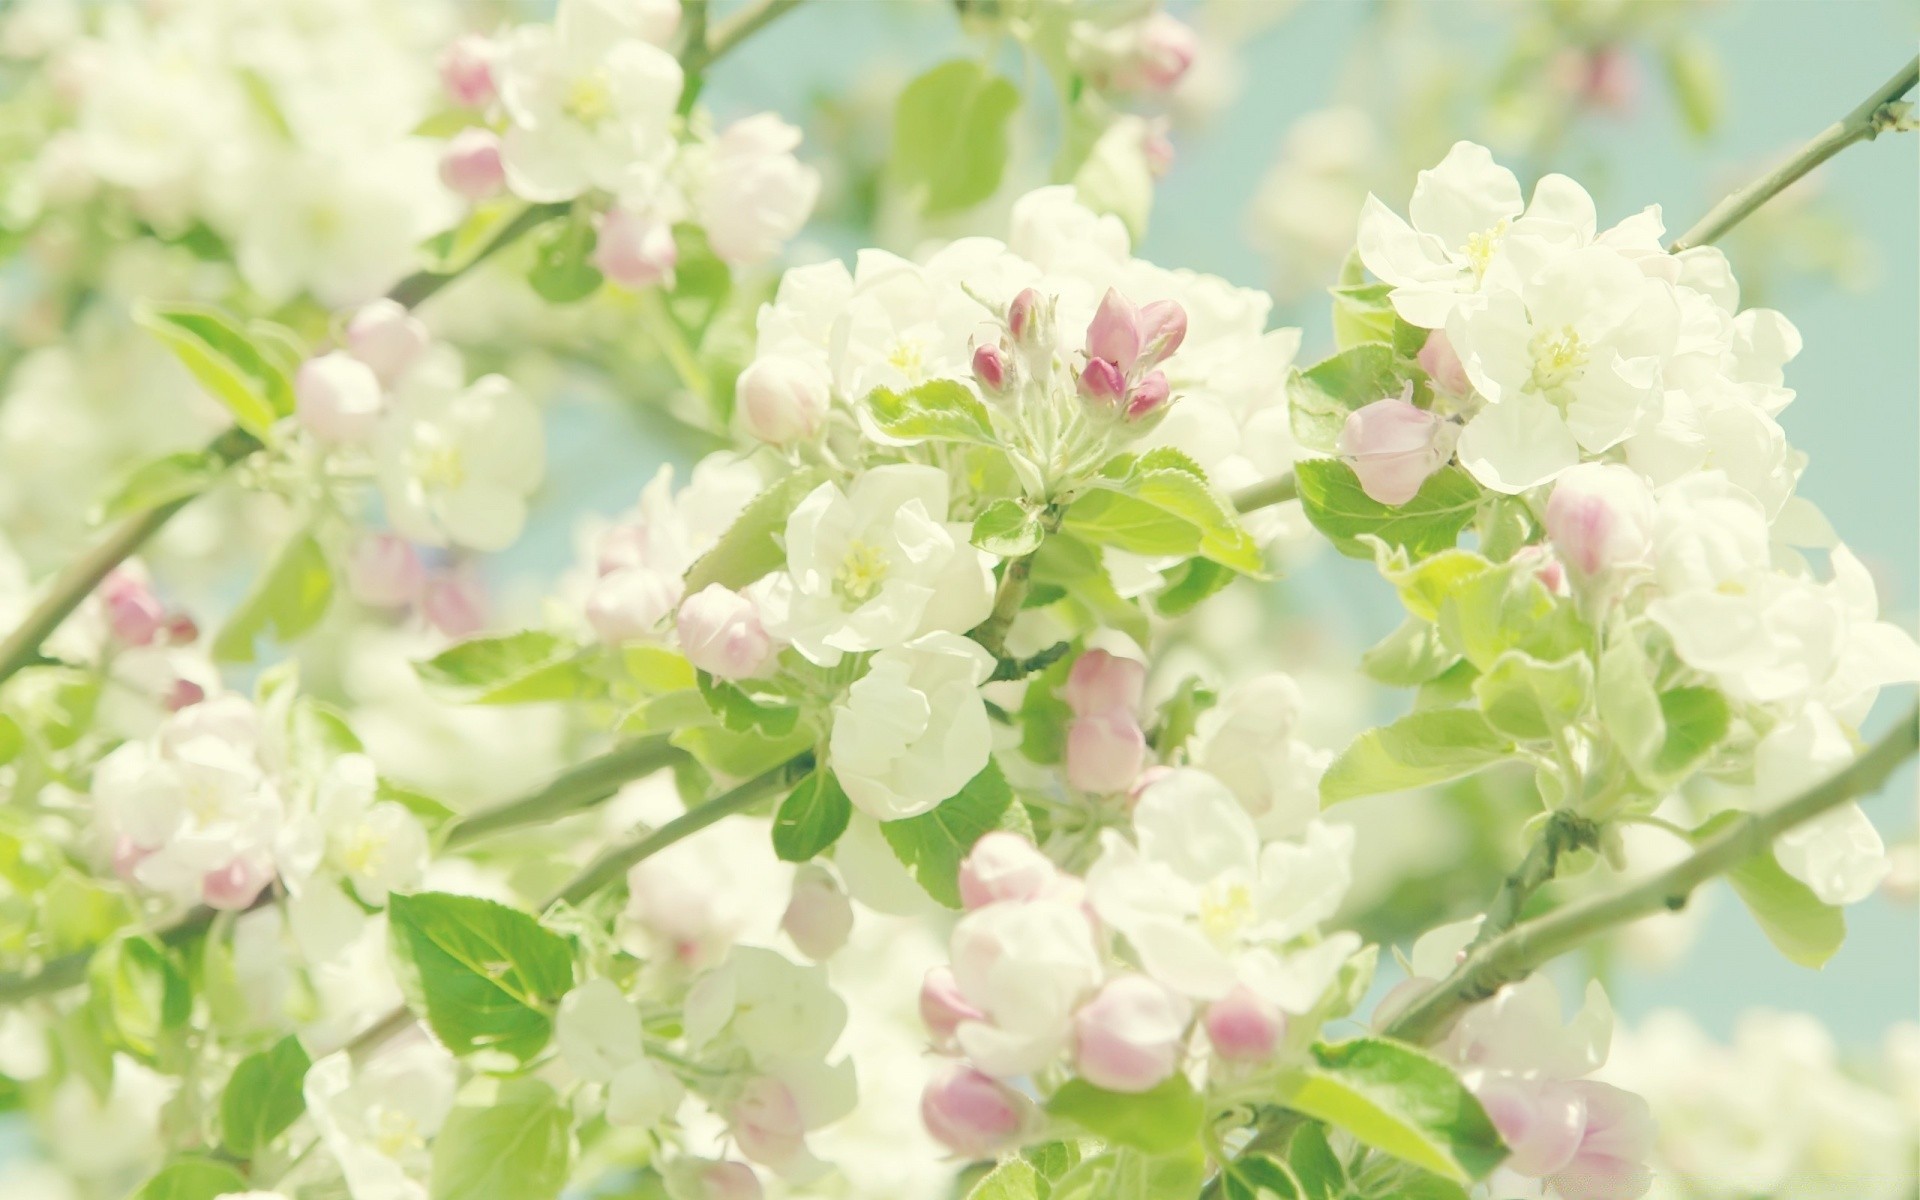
[
  {"x": 1159, "y": 1121},
  {"x": 950, "y": 135},
  {"x": 1188, "y": 583},
  {"x": 1315, "y": 1165},
  {"x": 519, "y": 1147},
  {"x": 1507, "y": 608},
  {"x": 485, "y": 976},
  {"x": 1076, "y": 570},
  {"x": 1694, "y": 74},
  {"x": 225, "y": 361},
  {"x": 939, "y": 410},
  {"x": 1696, "y": 721},
  {"x": 1362, "y": 315},
  {"x": 1014, "y": 1179},
  {"x": 160, "y": 481},
  {"x": 1525, "y": 698},
  {"x": 1255, "y": 1177},
  {"x": 192, "y": 1179},
  {"x": 1430, "y": 522},
  {"x": 933, "y": 843},
  {"x": 741, "y": 755},
  {"x": 766, "y": 712},
  {"x": 1321, "y": 397},
  {"x": 1401, "y": 1102},
  {"x": 460, "y": 247},
  {"x": 286, "y": 601},
  {"x": 1008, "y": 529},
  {"x": 811, "y": 818},
  {"x": 562, "y": 272},
  {"x": 1164, "y": 510},
  {"x": 1053, "y": 1159},
  {"x": 139, "y": 992},
  {"x": 1799, "y": 924},
  {"x": 1426, "y": 747},
  {"x": 1426, "y": 585},
  {"x": 514, "y": 668},
  {"x": 701, "y": 284},
  {"x": 1629, "y": 707},
  {"x": 263, "y": 1097},
  {"x": 1409, "y": 656},
  {"x": 751, "y": 546}
]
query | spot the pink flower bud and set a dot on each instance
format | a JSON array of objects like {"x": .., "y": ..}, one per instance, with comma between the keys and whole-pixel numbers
[
  {"x": 1130, "y": 1036},
  {"x": 1158, "y": 150},
  {"x": 135, "y": 615},
  {"x": 942, "y": 1006},
  {"x": 630, "y": 604},
  {"x": 1443, "y": 366},
  {"x": 1005, "y": 866},
  {"x": 1147, "y": 396},
  {"x": 1242, "y": 1027},
  {"x": 1165, "y": 50},
  {"x": 127, "y": 855},
  {"x": 182, "y": 630},
  {"x": 990, "y": 368},
  {"x": 466, "y": 71},
  {"x": 1102, "y": 682},
  {"x": 337, "y": 398},
  {"x": 234, "y": 886},
  {"x": 185, "y": 693},
  {"x": 783, "y": 399},
  {"x": 818, "y": 916},
  {"x": 1163, "y": 326},
  {"x": 1105, "y": 752},
  {"x": 1393, "y": 447},
  {"x": 455, "y": 603},
  {"x": 1611, "y": 1161},
  {"x": 1114, "y": 334},
  {"x": 1102, "y": 383},
  {"x": 1540, "y": 1120},
  {"x": 1029, "y": 318},
  {"x": 766, "y": 1122},
  {"x": 728, "y": 1181},
  {"x": 388, "y": 338},
  {"x": 970, "y": 1114},
  {"x": 721, "y": 633},
  {"x": 635, "y": 252},
  {"x": 384, "y": 571},
  {"x": 1612, "y": 80},
  {"x": 471, "y": 165},
  {"x": 1600, "y": 517}
]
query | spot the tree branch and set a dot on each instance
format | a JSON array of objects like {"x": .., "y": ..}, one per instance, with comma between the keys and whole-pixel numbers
[
  {"x": 569, "y": 792},
  {"x": 1565, "y": 832},
  {"x": 1516, "y": 953},
  {"x": 1873, "y": 115},
  {"x": 1266, "y": 494}
]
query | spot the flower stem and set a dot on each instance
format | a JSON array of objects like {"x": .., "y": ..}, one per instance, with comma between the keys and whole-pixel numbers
[
  {"x": 1873, "y": 116},
  {"x": 1516, "y": 953},
  {"x": 1565, "y": 832},
  {"x": 1266, "y": 494},
  {"x": 568, "y": 792}
]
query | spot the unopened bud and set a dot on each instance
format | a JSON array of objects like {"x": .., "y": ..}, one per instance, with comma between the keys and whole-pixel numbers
[
  {"x": 1103, "y": 383},
  {"x": 726, "y": 1181},
  {"x": 818, "y": 916},
  {"x": 1442, "y": 365},
  {"x": 1163, "y": 326},
  {"x": 1103, "y": 682},
  {"x": 635, "y": 252},
  {"x": 1600, "y": 517},
  {"x": 721, "y": 633},
  {"x": 1148, "y": 396},
  {"x": 134, "y": 613},
  {"x": 1105, "y": 752},
  {"x": 1005, "y": 866},
  {"x": 1129, "y": 1037},
  {"x": 455, "y": 603},
  {"x": 384, "y": 571},
  {"x": 1114, "y": 333},
  {"x": 990, "y": 368},
  {"x": 1028, "y": 318},
  {"x": 234, "y": 886},
  {"x": 971, "y": 1114},
  {"x": 388, "y": 338},
  {"x": 767, "y": 1124},
  {"x": 628, "y": 605},
  {"x": 471, "y": 165},
  {"x": 1242, "y": 1027},
  {"x": 185, "y": 693},
  {"x": 466, "y": 71},
  {"x": 337, "y": 398},
  {"x": 783, "y": 399},
  {"x": 1540, "y": 1120},
  {"x": 1162, "y": 55},
  {"x": 1393, "y": 447},
  {"x": 943, "y": 1007}
]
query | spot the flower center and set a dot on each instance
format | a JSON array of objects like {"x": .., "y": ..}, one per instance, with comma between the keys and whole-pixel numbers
[
  {"x": 1558, "y": 357},
  {"x": 439, "y": 465},
  {"x": 589, "y": 99},
  {"x": 862, "y": 571},
  {"x": 1480, "y": 246},
  {"x": 395, "y": 1133},
  {"x": 1225, "y": 910},
  {"x": 909, "y": 357}
]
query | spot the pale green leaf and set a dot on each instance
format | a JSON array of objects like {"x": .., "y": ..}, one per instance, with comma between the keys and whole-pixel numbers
[
  {"x": 1160, "y": 1120},
  {"x": 752, "y": 546},
  {"x": 288, "y": 599},
  {"x": 1431, "y": 522},
  {"x": 1800, "y": 925},
  {"x": 932, "y": 844},
  {"x": 939, "y": 410},
  {"x": 811, "y": 818},
  {"x": 950, "y": 135},
  {"x": 484, "y": 976},
  {"x": 1426, "y": 747},
  {"x": 225, "y": 361},
  {"x": 519, "y": 1147},
  {"x": 1402, "y": 1102},
  {"x": 263, "y": 1097}
]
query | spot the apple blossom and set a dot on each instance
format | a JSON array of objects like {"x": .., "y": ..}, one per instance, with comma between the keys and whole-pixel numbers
[
  {"x": 388, "y": 338},
  {"x": 913, "y": 729},
  {"x": 755, "y": 195},
  {"x": 466, "y": 71},
  {"x": 1393, "y": 447},
  {"x": 635, "y": 251},
  {"x": 1105, "y": 751},
  {"x": 943, "y": 1007},
  {"x": 471, "y": 165},
  {"x": 721, "y": 633},
  {"x": 456, "y": 464},
  {"x": 1005, "y": 866},
  {"x": 782, "y": 400},
  {"x": 971, "y": 1114},
  {"x": 1600, "y": 518},
  {"x": 1025, "y": 966},
  {"x": 1130, "y": 1036},
  {"x": 339, "y": 398}
]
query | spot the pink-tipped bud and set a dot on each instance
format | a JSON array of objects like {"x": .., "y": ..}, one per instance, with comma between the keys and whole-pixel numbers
[
  {"x": 184, "y": 693},
  {"x": 971, "y": 1114},
  {"x": 384, "y": 571},
  {"x": 1028, "y": 317},
  {"x": 1612, "y": 80},
  {"x": 1102, "y": 383},
  {"x": 1148, "y": 396},
  {"x": 466, "y": 71},
  {"x": 1105, "y": 752},
  {"x": 455, "y": 603},
  {"x": 1241, "y": 1027},
  {"x": 990, "y": 368},
  {"x": 1600, "y": 517},
  {"x": 1005, "y": 866},
  {"x": 1162, "y": 55},
  {"x": 1102, "y": 682},
  {"x": 628, "y": 605},
  {"x": 727, "y": 1181},
  {"x": 1443, "y": 366},
  {"x": 182, "y": 629},
  {"x": 1393, "y": 447},
  {"x": 1130, "y": 1036},
  {"x": 783, "y": 399},
  {"x": 721, "y": 633},
  {"x": 471, "y": 165},
  {"x": 943, "y": 1007},
  {"x": 337, "y": 398},
  {"x": 767, "y": 1124},
  {"x": 388, "y": 338},
  {"x": 633, "y": 251},
  {"x": 1163, "y": 326},
  {"x": 234, "y": 886},
  {"x": 135, "y": 615},
  {"x": 1540, "y": 1120},
  {"x": 818, "y": 916},
  {"x": 1114, "y": 334}
]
